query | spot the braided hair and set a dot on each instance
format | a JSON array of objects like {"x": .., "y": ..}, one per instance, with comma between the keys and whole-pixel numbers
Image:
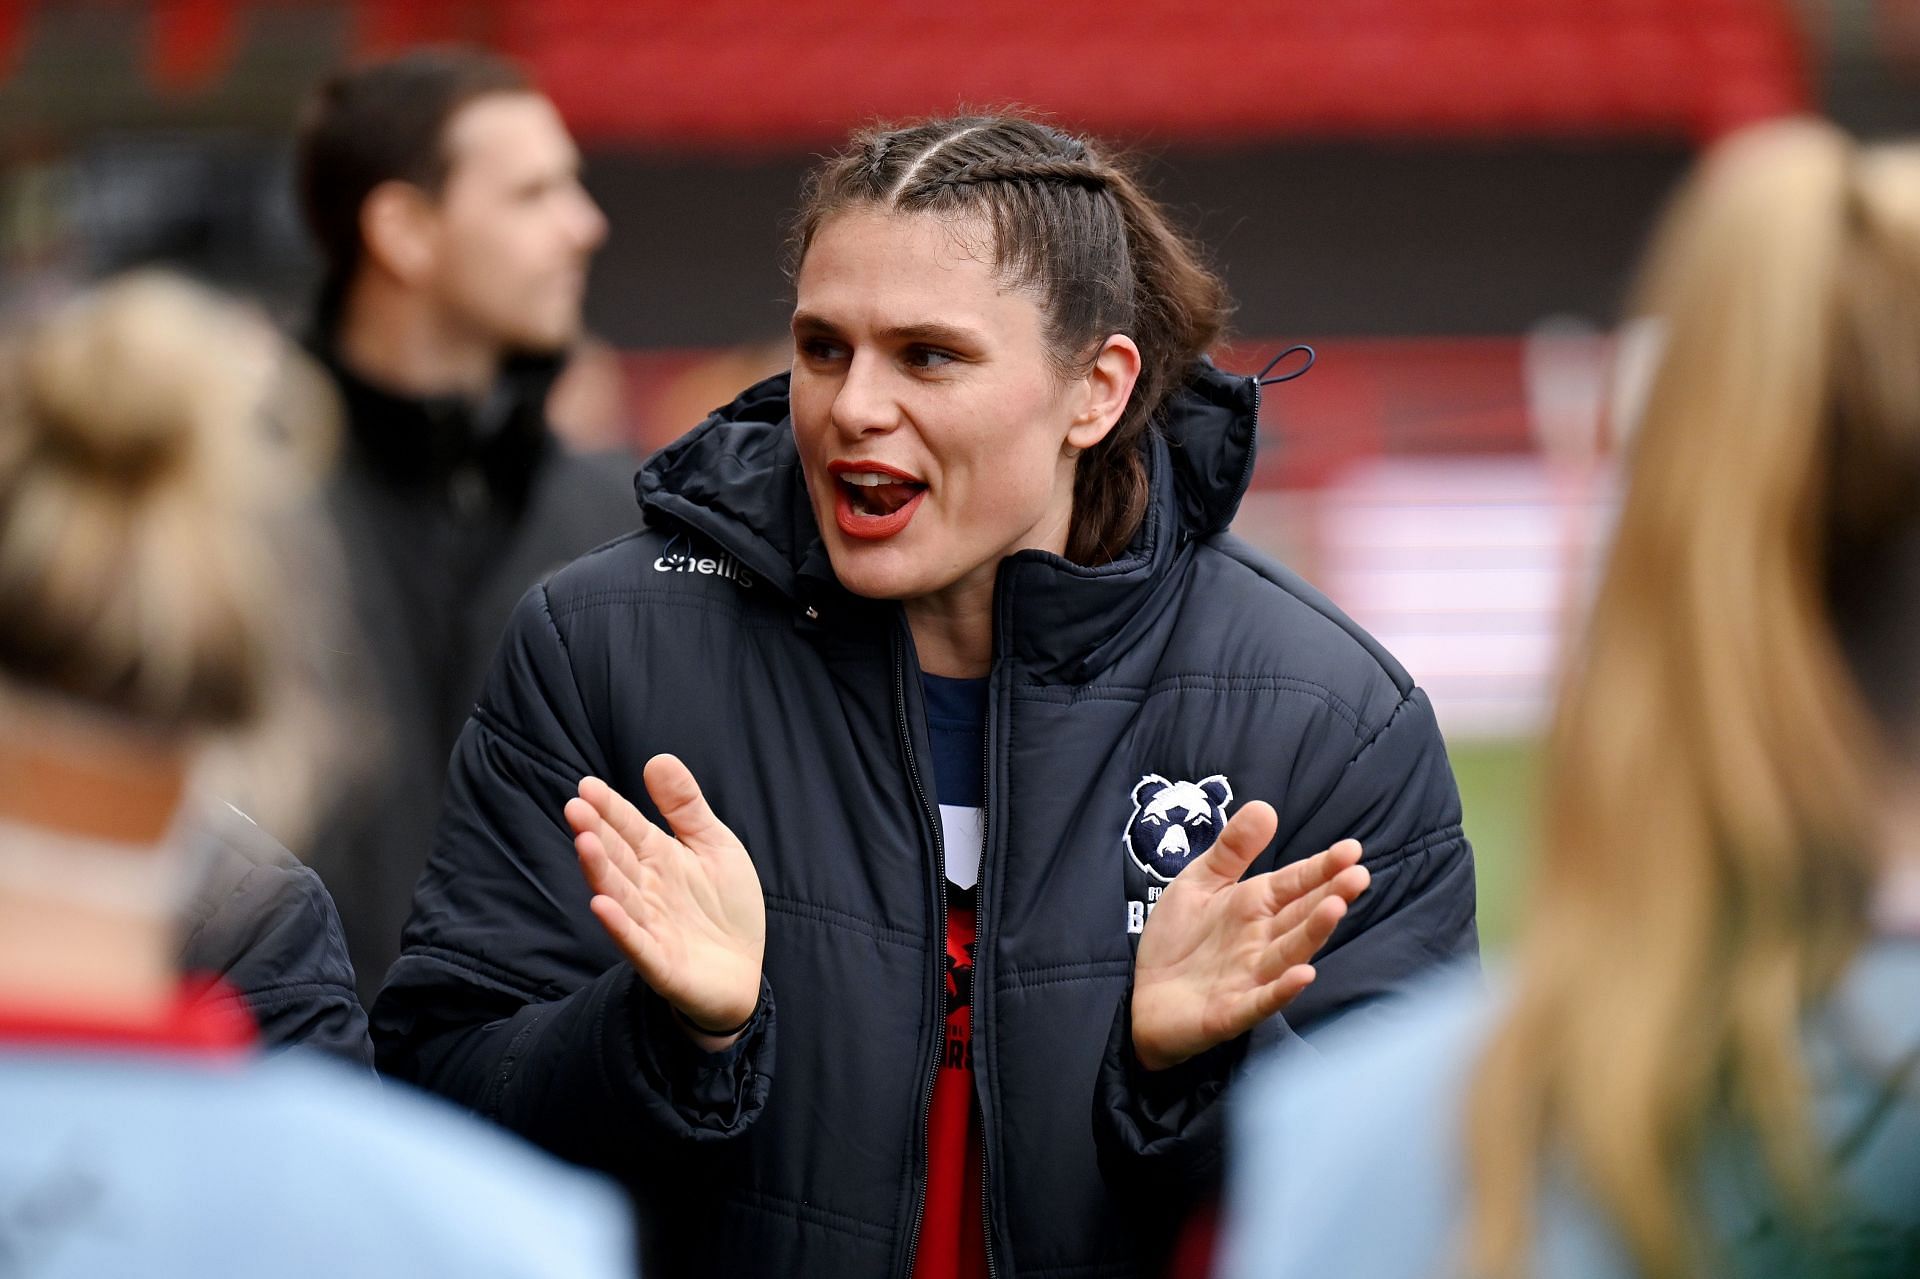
[{"x": 1073, "y": 225}]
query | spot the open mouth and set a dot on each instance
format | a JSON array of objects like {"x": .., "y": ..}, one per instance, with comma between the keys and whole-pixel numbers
[
  {"x": 873, "y": 493},
  {"x": 873, "y": 501}
]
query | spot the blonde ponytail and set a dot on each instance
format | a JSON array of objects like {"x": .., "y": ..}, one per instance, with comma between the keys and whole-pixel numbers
[{"x": 1707, "y": 834}]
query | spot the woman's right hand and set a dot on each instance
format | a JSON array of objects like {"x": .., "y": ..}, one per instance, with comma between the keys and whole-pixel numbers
[{"x": 685, "y": 908}]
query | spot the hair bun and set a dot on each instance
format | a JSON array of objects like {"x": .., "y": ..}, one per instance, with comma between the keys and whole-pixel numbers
[
  {"x": 120, "y": 387},
  {"x": 138, "y": 491}
]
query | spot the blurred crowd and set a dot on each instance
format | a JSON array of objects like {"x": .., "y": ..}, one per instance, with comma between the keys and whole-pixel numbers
[{"x": 258, "y": 588}]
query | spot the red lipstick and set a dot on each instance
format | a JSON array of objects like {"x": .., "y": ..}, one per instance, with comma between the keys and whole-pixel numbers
[{"x": 873, "y": 501}]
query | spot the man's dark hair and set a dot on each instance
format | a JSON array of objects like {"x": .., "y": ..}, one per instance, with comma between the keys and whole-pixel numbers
[{"x": 385, "y": 122}]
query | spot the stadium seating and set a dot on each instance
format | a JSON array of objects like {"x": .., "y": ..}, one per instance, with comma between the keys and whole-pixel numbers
[{"x": 737, "y": 73}]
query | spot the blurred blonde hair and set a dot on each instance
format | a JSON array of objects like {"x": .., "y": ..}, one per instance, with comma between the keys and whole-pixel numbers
[
  {"x": 1713, "y": 773},
  {"x": 141, "y": 469}
]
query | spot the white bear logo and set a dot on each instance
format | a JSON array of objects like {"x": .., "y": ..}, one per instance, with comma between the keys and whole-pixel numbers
[{"x": 1175, "y": 822}]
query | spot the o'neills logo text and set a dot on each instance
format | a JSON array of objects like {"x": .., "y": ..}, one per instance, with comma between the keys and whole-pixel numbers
[{"x": 706, "y": 565}]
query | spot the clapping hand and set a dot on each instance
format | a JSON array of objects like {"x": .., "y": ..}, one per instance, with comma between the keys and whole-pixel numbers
[
  {"x": 1220, "y": 954},
  {"x": 684, "y": 906}
]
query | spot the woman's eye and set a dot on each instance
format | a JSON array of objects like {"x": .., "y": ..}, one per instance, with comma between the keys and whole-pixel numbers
[{"x": 927, "y": 357}]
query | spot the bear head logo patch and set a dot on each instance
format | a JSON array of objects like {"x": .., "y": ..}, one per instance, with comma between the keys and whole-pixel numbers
[{"x": 1175, "y": 822}]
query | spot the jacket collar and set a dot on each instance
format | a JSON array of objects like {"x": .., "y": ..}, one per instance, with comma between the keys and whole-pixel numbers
[
  {"x": 423, "y": 441},
  {"x": 736, "y": 479}
]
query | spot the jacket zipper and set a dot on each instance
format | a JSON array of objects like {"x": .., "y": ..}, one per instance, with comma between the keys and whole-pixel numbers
[
  {"x": 1253, "y": 445},
  {"x": 979, "y": 987},
  {"x": 939, "y": 937}
]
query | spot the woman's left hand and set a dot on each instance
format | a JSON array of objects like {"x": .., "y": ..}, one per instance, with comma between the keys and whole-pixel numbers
[{"x": 1220, "y": 954}]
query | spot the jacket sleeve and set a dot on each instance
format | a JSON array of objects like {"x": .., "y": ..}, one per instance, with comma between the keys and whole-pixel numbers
[
  {"x": 1398, "y": 798},
  {"x": 265, "y": 926},
  {"x": 508, "y": 997}
]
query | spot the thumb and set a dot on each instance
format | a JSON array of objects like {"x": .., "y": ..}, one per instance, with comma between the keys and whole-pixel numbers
[
  {"x": 1243, "y": 838},
  {"x": 677, "y": 795}
]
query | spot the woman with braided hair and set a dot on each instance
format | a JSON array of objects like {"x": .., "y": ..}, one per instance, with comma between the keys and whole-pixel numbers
[{"x": 1026, "y": 794}]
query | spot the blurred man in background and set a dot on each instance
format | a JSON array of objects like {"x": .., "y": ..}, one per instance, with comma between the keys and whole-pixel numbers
[{"x": 444, "y": 193}]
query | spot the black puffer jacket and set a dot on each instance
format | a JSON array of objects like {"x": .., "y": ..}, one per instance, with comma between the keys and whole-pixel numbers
[
  {"x": 719, "y": 634},
  {"x": 264, "y": 925}
]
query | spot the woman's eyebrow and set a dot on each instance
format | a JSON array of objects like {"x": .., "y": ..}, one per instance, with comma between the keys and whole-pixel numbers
[{"x": 932, "y": 334}]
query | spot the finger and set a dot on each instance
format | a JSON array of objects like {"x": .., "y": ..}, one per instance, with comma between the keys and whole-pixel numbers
[
  {"x": 621, "y": 816},
  {"x": 633, "y": 941},
  {"x": 639, "y": 893},
  {"x": 580, "y": 814},
  {"x": 605, "y": 877},
  {"x": 1347, "y": 886},
  {"x": 588, "y": 820},
  {"x": 1301, "y": 943},
  {"x": 1280, "y": 992},
  {"x": 1241, "y": 840},
  {"x": 585, "y": 818},
  {"x": 1299, "y": 878},
  {"x": 677, "y": 795}
]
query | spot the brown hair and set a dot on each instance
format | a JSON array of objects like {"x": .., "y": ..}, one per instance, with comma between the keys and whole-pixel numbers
[
  {"x": 1072, "y": 224},
  {"x": 136, "y": 471},
  {"x": 1720, "y": 752},
  {"x": 385, "y": 122}
]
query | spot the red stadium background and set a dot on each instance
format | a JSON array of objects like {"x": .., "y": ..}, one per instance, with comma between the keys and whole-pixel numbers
[{"x": 1443, "y": 196}]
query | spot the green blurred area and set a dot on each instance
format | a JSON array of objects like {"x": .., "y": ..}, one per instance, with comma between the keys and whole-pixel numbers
[{"x": 1498, "y": 791}]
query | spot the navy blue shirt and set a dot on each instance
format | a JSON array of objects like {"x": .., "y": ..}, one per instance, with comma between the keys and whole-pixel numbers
[{"x": 957, "y": 725}]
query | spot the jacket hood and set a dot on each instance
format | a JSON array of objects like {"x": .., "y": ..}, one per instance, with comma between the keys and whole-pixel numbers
[{"x": 736, "y": 479}]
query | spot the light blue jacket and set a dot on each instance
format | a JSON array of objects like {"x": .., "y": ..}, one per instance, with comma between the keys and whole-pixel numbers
[
  {"x": 1347, "y": 1158},
  {"x": 129, "y": 1164}
]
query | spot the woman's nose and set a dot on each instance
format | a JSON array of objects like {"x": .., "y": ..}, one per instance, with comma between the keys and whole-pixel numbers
[{"x": 863, "y": 405}]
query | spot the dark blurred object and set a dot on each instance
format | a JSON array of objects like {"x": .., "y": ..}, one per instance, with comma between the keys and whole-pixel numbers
[
  {"x": 264, "y": 925},
  {"x": 447, "y": 512},
  {"x": 210, "y": 202}
]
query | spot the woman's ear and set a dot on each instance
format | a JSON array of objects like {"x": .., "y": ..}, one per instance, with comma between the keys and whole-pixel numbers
[{"x": 1104, "y": 391}]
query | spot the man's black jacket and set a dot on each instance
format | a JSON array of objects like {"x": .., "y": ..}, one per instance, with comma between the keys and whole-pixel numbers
[
  {"x": 445, "y": 512},
  {"x": 719, "y": 634}
]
